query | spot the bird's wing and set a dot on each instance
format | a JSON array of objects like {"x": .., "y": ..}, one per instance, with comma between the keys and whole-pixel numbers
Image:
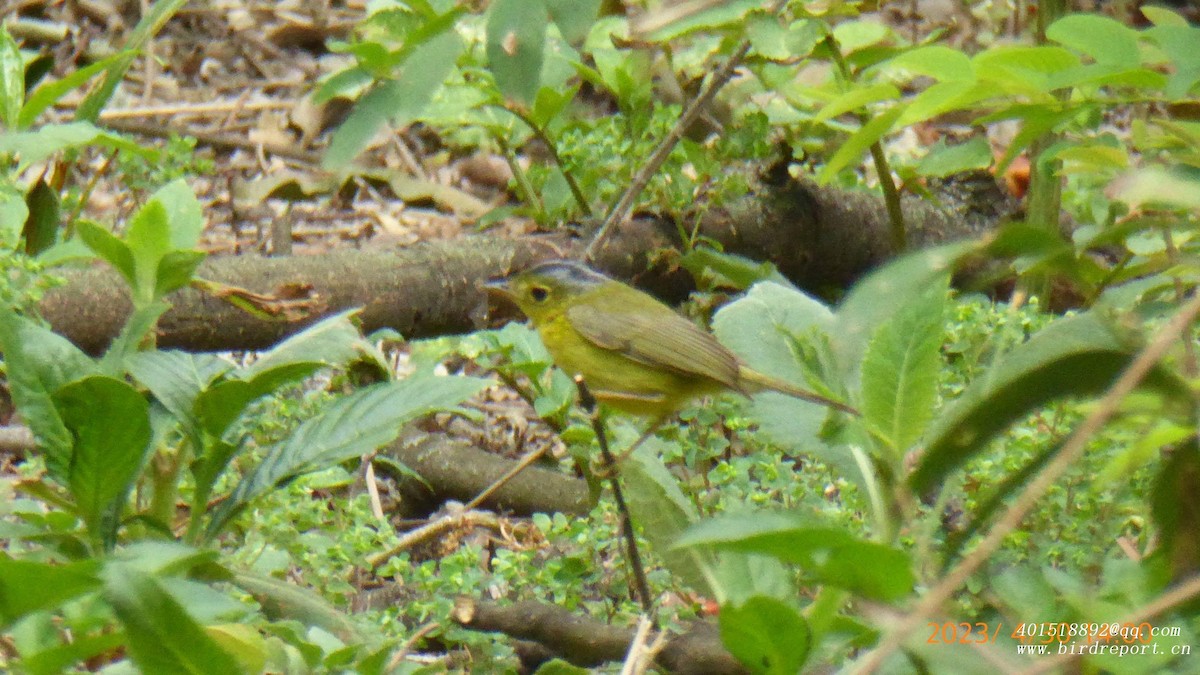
[{"x": 657, "y": 338}]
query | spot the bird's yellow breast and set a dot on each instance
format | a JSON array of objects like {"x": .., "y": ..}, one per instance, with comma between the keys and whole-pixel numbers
[{"x": 617, "y": 380}]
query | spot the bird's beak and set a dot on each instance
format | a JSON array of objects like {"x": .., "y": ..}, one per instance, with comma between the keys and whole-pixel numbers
[{"x": 499, "y": 287}]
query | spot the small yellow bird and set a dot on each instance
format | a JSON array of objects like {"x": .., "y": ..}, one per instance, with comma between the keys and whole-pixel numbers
[{"x": 635, "y": 354}]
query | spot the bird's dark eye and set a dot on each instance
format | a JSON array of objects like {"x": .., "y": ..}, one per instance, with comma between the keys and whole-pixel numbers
[{"x": 539, "y": 293}]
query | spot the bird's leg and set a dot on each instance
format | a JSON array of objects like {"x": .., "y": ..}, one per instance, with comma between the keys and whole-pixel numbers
[{"x": 635, "y": 558}]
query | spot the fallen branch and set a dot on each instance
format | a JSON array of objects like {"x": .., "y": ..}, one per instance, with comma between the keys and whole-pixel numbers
[{"x": 586, "y": 642}]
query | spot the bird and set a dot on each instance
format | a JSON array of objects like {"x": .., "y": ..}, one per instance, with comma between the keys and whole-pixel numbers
[{"x": 634, "y": 353}]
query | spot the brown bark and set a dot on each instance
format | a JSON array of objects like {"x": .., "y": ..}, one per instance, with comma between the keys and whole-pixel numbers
[
  {"x": 586, "y": 642},
  {"x": 819, "y": 237},
  {"x": 456, "y": 470}
]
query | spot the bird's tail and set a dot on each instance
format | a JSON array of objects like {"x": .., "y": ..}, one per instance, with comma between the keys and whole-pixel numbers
[{"x": 757, "y": 381}]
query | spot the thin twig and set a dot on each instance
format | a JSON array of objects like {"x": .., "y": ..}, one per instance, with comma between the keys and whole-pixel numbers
[
  {"x": 500, "y": 482},
  {"x": 1024, "y": 503},
  {"x": 624, "y": 205},
  {"x": 552, "y": 148},
  {"x": 610, "y": 463}
]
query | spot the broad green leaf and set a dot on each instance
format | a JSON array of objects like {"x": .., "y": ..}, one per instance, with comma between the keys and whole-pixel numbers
[
  {"x": 516, "y": 42},
  {"x": 944, "y": 160},
  {"x": 163, "y": 637},
  {"x": 244, "y": 643},
  {"x": 1100, "y": 37},
  {"x": 153, "y": 19},
  {"x": 330, "y": 342},
  {"x": 875, "y": 299},
  {"x": 1179, "y": 43},
  {"x": 828, "y": 554},
  {"x": 662, "y": 512},
  {"x": 550, "y": 102},
  {"x": 934, "y": 61},
  {"x": 767, "y": 635},
  {"x": 741, "y": 576},
  {"x": 283, "y": 600},
  {"x": 1077, "y": 356},
  {"x": 1155, "y": 186},
  {"x": 574, "y": 18},
  {"x": 110, "y": 423},
  {"x": 944, "y": 97},
  {"x": 183, "y": 213},
  {"x": 12, "y": 80},
  {"x": 852, "y": 150},
  {"x": 160, "y": 557},
  {"x": 41, "y": 225},
  {"x": 27, "y": 586},
  {"x": 900, "y": 369},
  {"x": 774, "y": 40},
  {"x": 1091, "y": 158},
  {"x": 63, "y": 658},
  {"x": 149, "y": 239},
  {"x": 350, "y": 427},
  {"x": 39, "y": 363},
  {"x": 762, "y": 325},
  {"x": 176, "y": 269},
  {"x": 857, "y": 98},
  {"x": 13, "y": 213},
  {"x": 34, "y": 146},
  {"x": 1161, "y": 16},
  {"x": 770, "y": 328},
  {"x": 110, "y": 247},
  {"x": 714, "y": 268},
  {"x": 48, "y": 94},
  {"x": 1018, "y": 69},
  {"x": 859, "y": 34},
  {"x": 176, "y": 379},
  {"x": 400, "y": 101},
  {"x": 711, "y": 17}
]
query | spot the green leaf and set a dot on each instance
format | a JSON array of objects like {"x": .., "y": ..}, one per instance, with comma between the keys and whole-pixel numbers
[
  {"x": 39, "y": 363},
  {"x": 110, "y": 248},
  {"x": 767, "y": 635},
  {"x": 162, "y": 636},
  {"x": 516, "y": 42},
  {"x": 830, "y": 555},
  {"x": 401, "y": 100},
  {"x": 49, "y": 93},
  {"x": 710, "y": 17},
  {"x": 1076, "y": 356},
  {"x": 851, "y": 151},
  {"x": 153, "y": 19},
  {"x": 900, "y": 369},
  {"x": 149, "y": 239},
  {"x": 176, "y": 379},
  {"x": 184, "y": 214},
  {"x": 934, "y": 61},
  {"x": 281, "y": 599},
  {"x": 34, "y": 146},
  {"x": 40, "y": 230},
  {"x": 350, "y": 427},
  {"x": 944, "y": 160},
  {"x": 12, "y": 80},
  {"x": 27, "y": 586},
  {"x": 875, "y": 299},
  {"x": 332, "y": 341},
  {"x": 662, "y": 512},
  {"x": 110, "y": 422},
  {"x": 1025, "y": 70},
  {"x": 1104, "y": 39},
  {"x": 769, "y": 328},
  {"x": 856, "y": 98},
  {"x": 714, "y": 268},
  {"x": 176, "y": 269},
  {"x": 574, "y": 18}
]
